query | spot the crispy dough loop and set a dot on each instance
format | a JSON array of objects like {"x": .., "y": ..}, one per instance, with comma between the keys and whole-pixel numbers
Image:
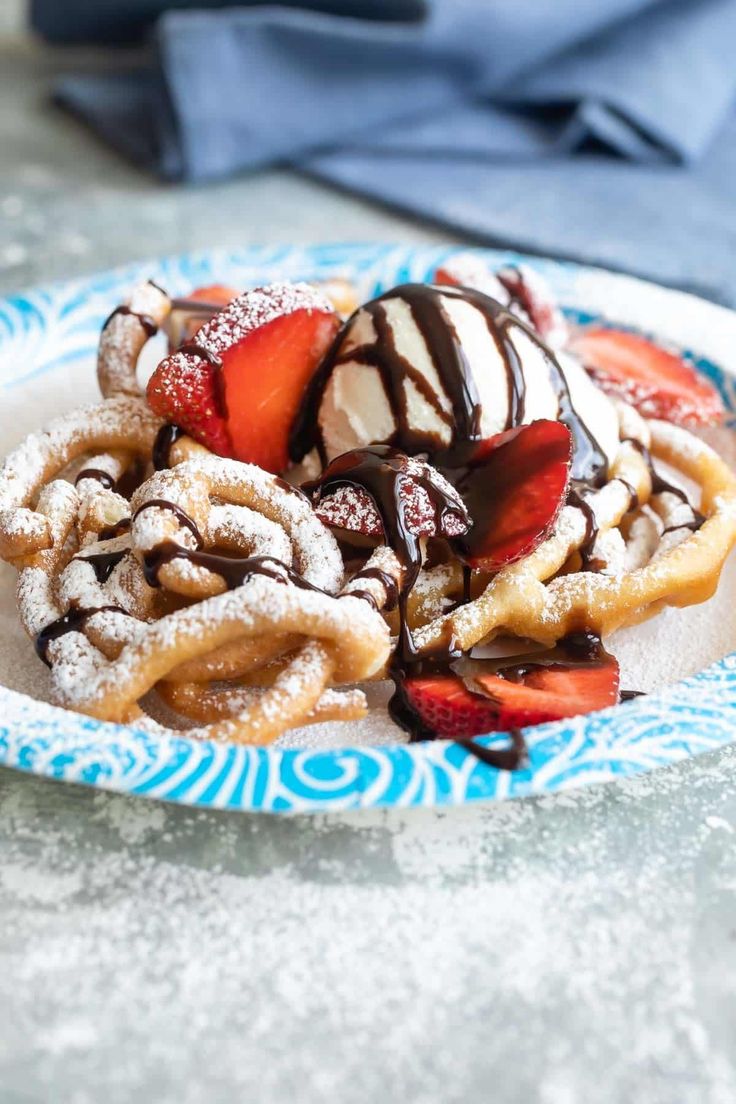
[
  {"x": 121, "y": 423},
  {"x": 191, "y": 486},
  {"x": 525, "y": 599},
  {"x": 122, "y": 339},
  {"x": 348, "y": 641}
]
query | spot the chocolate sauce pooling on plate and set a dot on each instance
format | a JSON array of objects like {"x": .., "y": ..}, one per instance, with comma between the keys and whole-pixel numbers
[
  {"x": 509, "y": 758},
  {"x": 425, "y": 302}
]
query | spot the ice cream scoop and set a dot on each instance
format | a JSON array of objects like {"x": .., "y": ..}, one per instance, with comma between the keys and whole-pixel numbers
[{"x": 430, "y": 369}]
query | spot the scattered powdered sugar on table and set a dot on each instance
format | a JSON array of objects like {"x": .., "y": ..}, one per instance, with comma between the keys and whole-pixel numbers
[{"x": 146, "y": 926}]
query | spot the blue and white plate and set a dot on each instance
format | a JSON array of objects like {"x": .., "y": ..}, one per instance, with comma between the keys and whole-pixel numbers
[{"x": 48, "y": 339}]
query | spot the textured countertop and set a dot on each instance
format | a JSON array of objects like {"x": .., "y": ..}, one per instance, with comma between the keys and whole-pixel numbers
[{"x": 565, "y": 949}]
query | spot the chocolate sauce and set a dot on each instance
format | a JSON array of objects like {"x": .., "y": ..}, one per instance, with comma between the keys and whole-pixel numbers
[
  {"x": 404, "y": 714},
  {"x": 73, "y": 621},
  {"x": 514, "y": 757},
  {"x": 182, "y": 517},
  {"x": 467, "y": 577},
  {"x": 380, "y": 471},
  {"x": 633, "y": 495},
  {"x": 103, "y": 563},
  {"x": 660, "y": 485},
  {"x": 289, "y": 488},
  {"x": 388, "y": 582},
  {"x": 112, "y": 531},
  {"x": 629, "y": 695},
  {"x": 149, "y": 325},
  {"x": 451, "y": 364},
  {"x": 166, "y": 438},
  {"x": 234, "y": 570},
  {"x": 575, "y": 497},
  {"x": 100, "y": 476},
  {"x": 131, "y": 479}
]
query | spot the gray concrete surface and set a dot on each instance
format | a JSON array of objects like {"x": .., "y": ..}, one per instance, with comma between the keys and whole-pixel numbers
[{"x": 573, "y": 949}]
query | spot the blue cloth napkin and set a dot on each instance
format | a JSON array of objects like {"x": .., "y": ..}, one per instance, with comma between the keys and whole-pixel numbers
[{"x": 597, "y": 129}]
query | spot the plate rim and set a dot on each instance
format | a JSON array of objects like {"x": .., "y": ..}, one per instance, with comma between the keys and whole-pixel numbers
[{"x": 60, "y": 744}]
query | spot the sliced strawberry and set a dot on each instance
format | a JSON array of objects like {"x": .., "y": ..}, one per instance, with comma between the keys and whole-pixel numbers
[
  {"x": 258, "y": 354},
  {"x": 220, "y": 294},
  {"x": 185, "y": 319},
  {"x": 449, "y": 708},
  {"x": 468, "y": 270},
  {"x": 532, "y": 293},
  {"x": 659, "y": 383},
  {"x": 514, "y": 490},
  {"x": 185, "y": 390}
]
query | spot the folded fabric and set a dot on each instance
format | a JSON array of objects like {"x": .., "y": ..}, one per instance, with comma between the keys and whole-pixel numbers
[{"x": 475, "y": 106}]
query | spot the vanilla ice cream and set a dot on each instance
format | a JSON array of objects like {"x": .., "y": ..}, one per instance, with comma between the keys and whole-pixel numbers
[{"x": 424, "y": 367}]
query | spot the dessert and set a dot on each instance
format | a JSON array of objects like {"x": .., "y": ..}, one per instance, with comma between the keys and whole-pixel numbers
[{"x": 300, "y": 503}]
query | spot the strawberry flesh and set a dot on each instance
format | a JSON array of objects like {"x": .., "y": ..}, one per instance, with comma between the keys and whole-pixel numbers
[
  {"x": 468, "y": 270},
  {"x": 265, "y": 376},
  {"x": 237, "y": 386},
  {"x": 185, "y": 390},
  {"x": 449, "y": 707},
  {"x": 659, "y": 383},
  {"x": 514, "y": 488}
]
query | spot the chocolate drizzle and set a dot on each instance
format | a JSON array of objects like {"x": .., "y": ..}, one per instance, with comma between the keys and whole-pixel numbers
[
  {"x": 425, "y": 302},
  {"x": 103, "y": 563},
  {"x": 575, "y": 497},
  {"x": 388, "y": 582},
  {"x": 380, "y": 471},
  {"x": 73, "y": 621},
  {"x": 235, "y": 571},
  {"x": 181, "y": 516},
  {"x": 111, "y": 531},
  {"x": 166, "y": 438},
  {"x": 660, "y": 485},
  {"x": 511, "y": 758},
  {"x": 100, "y": 476},
  {"x": 149, "y": 324}
]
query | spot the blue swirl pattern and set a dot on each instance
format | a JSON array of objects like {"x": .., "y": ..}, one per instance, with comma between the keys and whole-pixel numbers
[{"x": 43, "y": 329}]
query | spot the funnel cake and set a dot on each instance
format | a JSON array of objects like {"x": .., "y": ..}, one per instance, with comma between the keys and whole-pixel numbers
[{"x": 470, "y": 467}]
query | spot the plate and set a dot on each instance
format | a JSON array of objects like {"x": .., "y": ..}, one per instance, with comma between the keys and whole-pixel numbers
[{"x": 48, "y": 339}]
